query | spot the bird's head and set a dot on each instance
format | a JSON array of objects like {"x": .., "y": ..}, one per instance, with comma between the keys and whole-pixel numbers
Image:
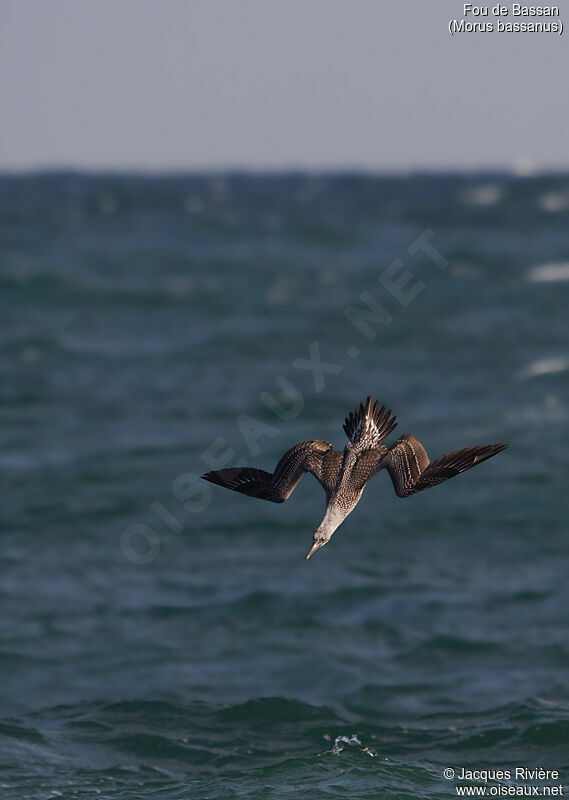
[{"x": 332, "y": 519}]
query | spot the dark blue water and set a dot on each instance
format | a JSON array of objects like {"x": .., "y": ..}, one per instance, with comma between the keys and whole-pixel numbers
[{"x": 164, "y": 638}]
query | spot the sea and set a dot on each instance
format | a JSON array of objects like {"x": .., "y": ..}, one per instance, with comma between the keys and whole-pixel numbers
[{"x": 163, "y": 638}]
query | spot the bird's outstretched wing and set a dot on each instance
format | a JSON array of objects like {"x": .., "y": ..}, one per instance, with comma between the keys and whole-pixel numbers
[
  {"x": 370, "y": 422},
  {"x": 411, "y": 471},
  {"x": 279, "y": 485}
]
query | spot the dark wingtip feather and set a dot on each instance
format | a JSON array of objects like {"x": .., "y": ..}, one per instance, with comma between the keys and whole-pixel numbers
[
  {"x": 212, "y": 477},
  {"x": 489, "y": 450},
  {"x": 462, "y": 460},
  {"x": 228, "y": 478}
]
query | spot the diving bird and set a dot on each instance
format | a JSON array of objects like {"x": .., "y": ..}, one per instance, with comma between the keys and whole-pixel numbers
[{"x": 344, "y": 475}]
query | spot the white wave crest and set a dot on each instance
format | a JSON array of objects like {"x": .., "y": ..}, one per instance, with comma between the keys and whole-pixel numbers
[
  {"x": 548, "y": 273},
  {"x": 483, "y": 195},
  {"x": 554, "y": 201},
  {"x": 545, "y": 366}
]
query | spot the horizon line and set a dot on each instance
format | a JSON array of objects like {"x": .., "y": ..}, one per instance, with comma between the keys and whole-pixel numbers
[{"x": 525, "y": 170}]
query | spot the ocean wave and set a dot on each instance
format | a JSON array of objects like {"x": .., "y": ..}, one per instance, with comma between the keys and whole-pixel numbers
[
  {"x": 486, "y": 194},
  {"x": 549, "y": 273},
  {"x": 554, "y": 201},
  {"x": 281, "y": 742},
  {"x": 545, "y": 366}
]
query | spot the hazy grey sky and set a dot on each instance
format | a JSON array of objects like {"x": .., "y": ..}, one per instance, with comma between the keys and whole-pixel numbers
[{"x": 274, "y": 83}]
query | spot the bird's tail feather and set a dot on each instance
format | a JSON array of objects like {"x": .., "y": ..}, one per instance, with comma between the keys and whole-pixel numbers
[{"x": 368, "y": 420}]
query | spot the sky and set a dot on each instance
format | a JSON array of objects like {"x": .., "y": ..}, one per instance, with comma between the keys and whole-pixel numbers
[{"x": 276, "y": 84}]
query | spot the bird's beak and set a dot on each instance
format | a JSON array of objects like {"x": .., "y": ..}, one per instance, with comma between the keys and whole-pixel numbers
[{"x": 316, "y": 546}]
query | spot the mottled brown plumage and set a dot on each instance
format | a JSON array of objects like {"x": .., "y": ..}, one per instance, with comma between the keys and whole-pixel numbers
[{"x": 344, "y": 474}]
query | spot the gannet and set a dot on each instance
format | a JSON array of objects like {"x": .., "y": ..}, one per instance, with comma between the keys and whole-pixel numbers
[{"x": 344, "y": 475}]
